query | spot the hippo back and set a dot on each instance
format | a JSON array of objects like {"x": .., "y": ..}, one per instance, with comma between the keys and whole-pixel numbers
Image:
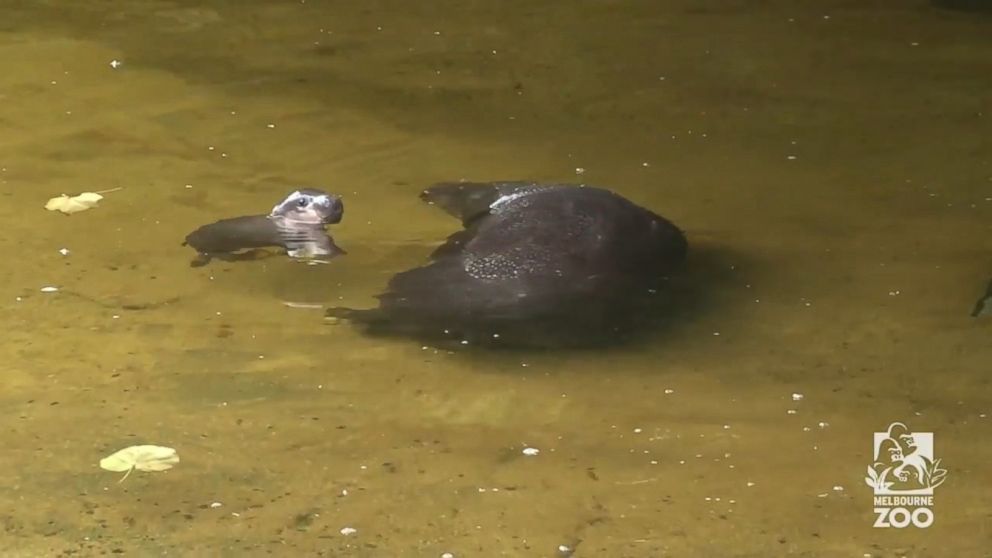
[{"x": 531, "y": 255}]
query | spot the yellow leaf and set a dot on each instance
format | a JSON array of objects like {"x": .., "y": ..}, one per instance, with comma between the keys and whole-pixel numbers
[
  {"x": 75, "y": 204},
  {"x": 142, "y": 458}
]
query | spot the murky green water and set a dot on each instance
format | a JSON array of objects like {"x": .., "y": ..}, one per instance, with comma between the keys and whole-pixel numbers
[{"x": 831, "y": 163}]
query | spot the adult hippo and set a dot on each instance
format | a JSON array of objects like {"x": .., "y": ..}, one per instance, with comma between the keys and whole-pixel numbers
[{"x": 535, "y": 264}]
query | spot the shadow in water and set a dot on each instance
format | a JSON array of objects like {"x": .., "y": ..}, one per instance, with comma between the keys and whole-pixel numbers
[
  {"x": 257, "y": 254},
  {"x": 983, "y": 6}
]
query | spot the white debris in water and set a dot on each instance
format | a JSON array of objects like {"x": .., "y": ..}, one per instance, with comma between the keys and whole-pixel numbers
[
  {"x": 823, "y": 424},
  {"x": 669, "y": 391},
  {"x": 750, "y": 484},
  {"x": 447, "y": 555},
  {"x": 49, "y": 289},
  {"x": 791, "y": 412},
  {"x": 579, "y": 170},
  {"x": 893, "y": 293},
  {"x": 115, "y": 63},
  {"x": 798, "y": 397},
  {"x": 531, "y": 451},
  {"x": 348, "y": 531},
  {"x": 637, "y": 431},
  {"x": 64, "y": 251},
  {"x": 304, "y": 305},
  {"x": 216, "y": 505},
  {"x": 270, "y": 125},
  {"x": 838, "y": 488},
  {"x": 565, "y": 549}
]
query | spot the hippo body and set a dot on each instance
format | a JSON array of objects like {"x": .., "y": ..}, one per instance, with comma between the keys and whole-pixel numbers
[
  {"x": 534, "y": 264},
  {"x": 234, "y": 234},
  {"x": 297, "y": 223}
]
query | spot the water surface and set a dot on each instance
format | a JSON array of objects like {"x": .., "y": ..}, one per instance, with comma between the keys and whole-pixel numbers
[{"x": 830, "y": 162}]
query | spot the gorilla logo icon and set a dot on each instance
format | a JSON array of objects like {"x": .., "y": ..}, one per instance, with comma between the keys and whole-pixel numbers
[{"x": 904, "y": 462}]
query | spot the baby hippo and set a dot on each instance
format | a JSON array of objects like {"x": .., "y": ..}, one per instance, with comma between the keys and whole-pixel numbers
[{"x": 297, "y": 224}]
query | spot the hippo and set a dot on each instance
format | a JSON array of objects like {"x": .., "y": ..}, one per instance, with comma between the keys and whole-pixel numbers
[
  {"x": 297, "y": 224},
  {"x": 533, "y": 265}
]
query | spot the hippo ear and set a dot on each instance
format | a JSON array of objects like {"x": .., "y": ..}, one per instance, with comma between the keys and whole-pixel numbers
[{"x": 464, "y": 200}]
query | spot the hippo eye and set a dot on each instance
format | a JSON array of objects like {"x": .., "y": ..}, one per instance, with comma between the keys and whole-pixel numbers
[{"x": 302, "y": 202}]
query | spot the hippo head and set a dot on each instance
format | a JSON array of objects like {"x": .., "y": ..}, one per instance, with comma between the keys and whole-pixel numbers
[{"x": 308, "y": 206}]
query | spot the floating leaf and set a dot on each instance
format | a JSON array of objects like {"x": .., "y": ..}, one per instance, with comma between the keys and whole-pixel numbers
[
  {"x": 142, "y": 458},
  {"x": 75, "y": 204}
]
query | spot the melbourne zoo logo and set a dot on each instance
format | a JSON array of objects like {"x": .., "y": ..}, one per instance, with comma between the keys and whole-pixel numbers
[{"x": 903, "y": 477}]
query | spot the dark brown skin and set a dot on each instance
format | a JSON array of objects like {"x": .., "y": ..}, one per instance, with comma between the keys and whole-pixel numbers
[
  {"x": 534, "y": 264},
  {"x": 232, "y": 235},
  {"x": 297, "y": 224}
]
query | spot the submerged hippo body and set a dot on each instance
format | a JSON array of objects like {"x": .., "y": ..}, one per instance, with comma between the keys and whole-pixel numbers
[
  {"x": 297, "y": 223},
  {"x": 535, "y": 264}
]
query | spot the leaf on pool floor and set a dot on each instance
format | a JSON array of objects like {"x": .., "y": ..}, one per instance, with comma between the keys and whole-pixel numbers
[
  {"x": 75, "y": 204},
  {"x": 142, "y": 458}
]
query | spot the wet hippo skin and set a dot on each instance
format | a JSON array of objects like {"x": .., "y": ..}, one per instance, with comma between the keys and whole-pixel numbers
[
  {"x": 297, "y": 223},
  {"x": 535, "y": 264}
]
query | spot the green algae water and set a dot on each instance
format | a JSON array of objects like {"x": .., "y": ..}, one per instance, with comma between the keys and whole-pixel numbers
[{"x": 830, "y": 163}]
